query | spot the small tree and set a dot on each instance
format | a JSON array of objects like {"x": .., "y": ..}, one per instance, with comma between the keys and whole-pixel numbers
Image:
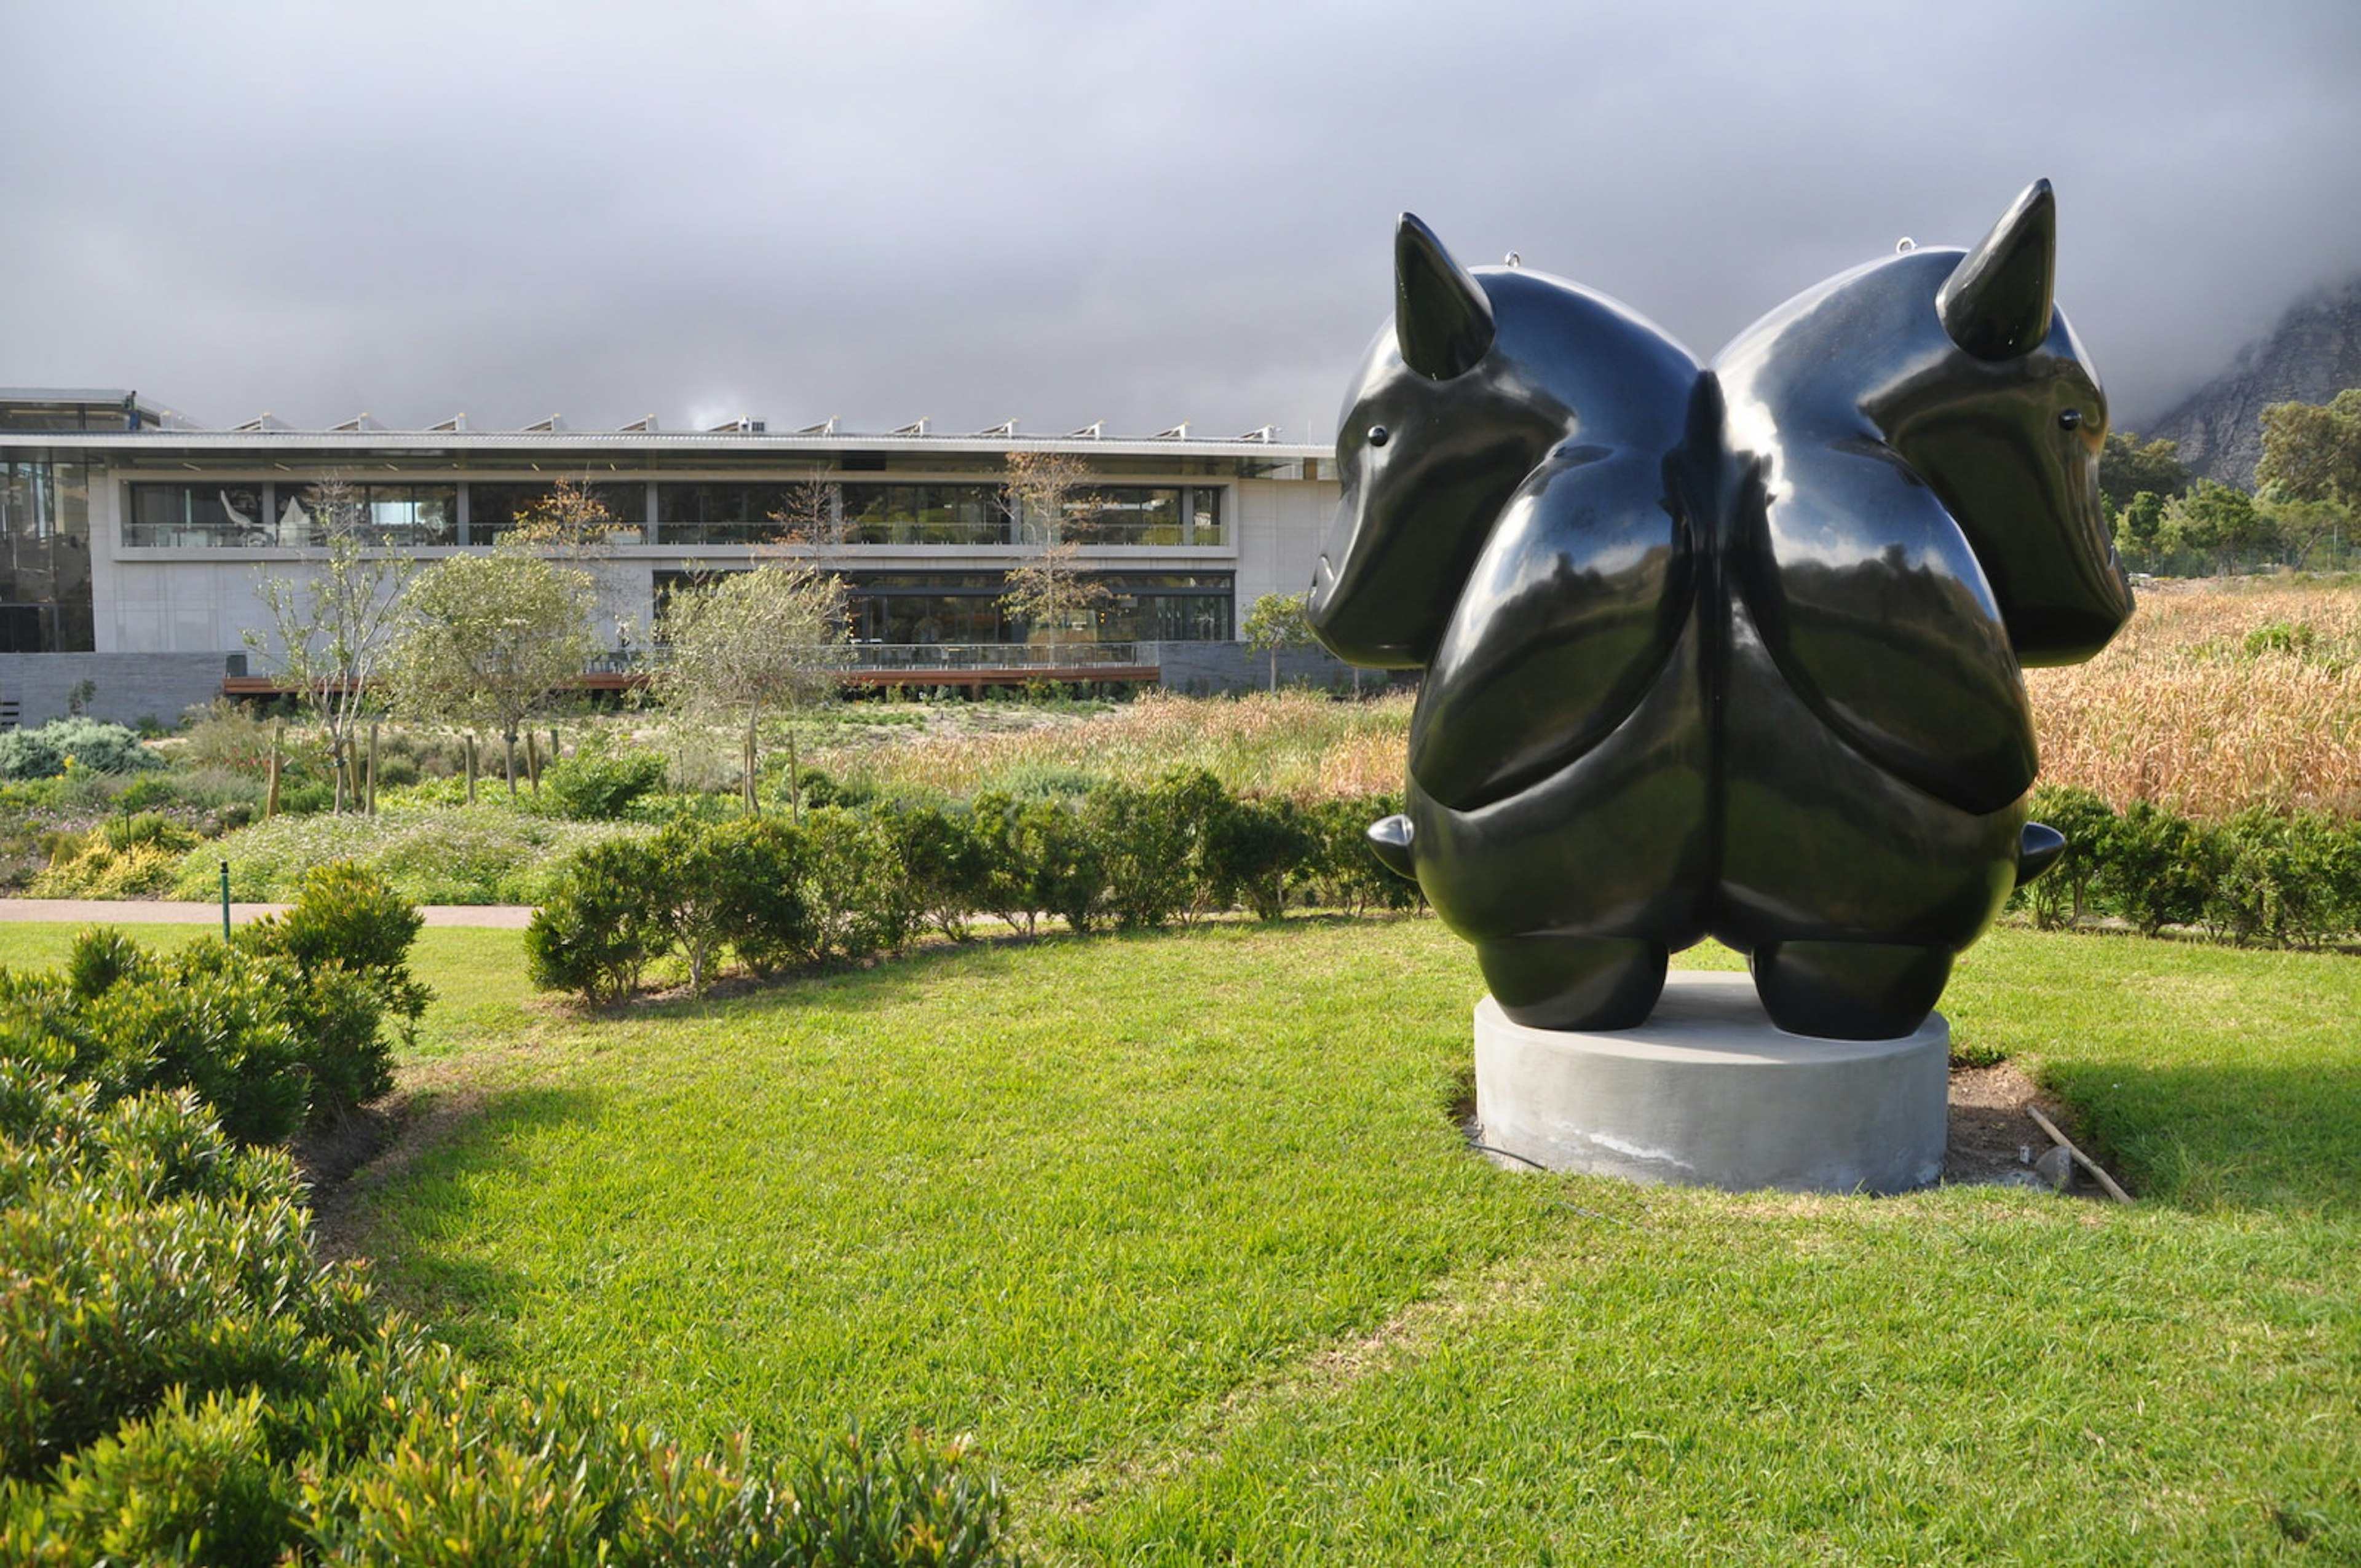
[
  {"x": 2128, "y": 465},
  {"x": 741, "y": 644},
  {"x": 1276, "y": 622},
  {"x": 1051, "y": 590},
  {"x": 489, "y": 638},
  {"x": 2311, "y": 452},
  {"x": 331, "y": 633}
]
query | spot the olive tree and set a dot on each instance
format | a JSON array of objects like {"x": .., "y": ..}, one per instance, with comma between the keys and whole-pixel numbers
[
  {"x": 488, "y": 639},
  {"x": 1276, "y": 621},
  {"x": 333, "y": 629},
  {"x": 739, "y": 645},
  {"x": 1050, "y": 590}
]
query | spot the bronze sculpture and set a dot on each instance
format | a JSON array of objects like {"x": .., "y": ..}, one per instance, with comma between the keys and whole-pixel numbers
[{"x": 1730, "y": 650}]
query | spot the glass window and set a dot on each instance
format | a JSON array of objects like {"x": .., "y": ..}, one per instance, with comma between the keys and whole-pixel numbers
[
  {"x": 1206, "y": 516},
  {"x": 1126, "y": 514},
  {"x": 494, "y": 508},
  {"x": 184, "y": 516},
  {"x": 386, "y": 516},
  {"x": 745, "y": 514},
  {"x": 925, "y": 514}
]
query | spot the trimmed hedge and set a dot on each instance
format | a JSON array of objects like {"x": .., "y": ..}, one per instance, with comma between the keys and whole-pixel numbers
[
  {"x": 2262, "y": 878},
  {"x": 845, "y": 884}
]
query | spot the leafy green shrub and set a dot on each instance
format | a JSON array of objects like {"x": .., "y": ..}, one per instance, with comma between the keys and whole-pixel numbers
[
  {"x": 1057, "y": 859},
  {"x": 2291, "y": 880},
  {"x": 766, "y": 920},
  {"x": 2157, "y": 869},
  {"x": 92, "y": 745},
  {"x": 854, "y": 885},
  {"x": 600, "y": 785},
  {"x": 348, "y": 935},
  {"x": 944, "y": 863},
  {"x": 186, "y": 1383},
  {"x": 1343, "y": 871},
  {"x": 1152, "y": 844},
  {"x": 2061, "y": 895},
  {"x": 1253, "y": 849},
  {"x": 602, "y": 924}
]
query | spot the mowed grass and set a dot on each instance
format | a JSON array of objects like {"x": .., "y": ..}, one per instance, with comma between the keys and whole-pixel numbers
[{"x": 1179, "y": 1228}]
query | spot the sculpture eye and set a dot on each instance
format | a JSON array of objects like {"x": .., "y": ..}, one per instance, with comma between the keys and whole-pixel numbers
[
  {"x": 2070, "y": 420},
  {"x": 1378, "y": 436}
]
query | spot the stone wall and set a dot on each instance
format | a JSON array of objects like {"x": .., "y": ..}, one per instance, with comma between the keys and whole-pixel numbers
[
  {"x": 1205, "y": 667},
  {"x": 122, "y": 688}
]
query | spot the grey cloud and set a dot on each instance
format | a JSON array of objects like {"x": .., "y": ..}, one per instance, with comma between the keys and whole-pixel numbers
[{"x": 1142, "y": 214}]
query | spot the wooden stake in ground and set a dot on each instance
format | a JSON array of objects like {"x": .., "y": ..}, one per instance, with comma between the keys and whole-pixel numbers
[
  {"x": 470, "y": 748},
  {"x": 370, "y": 781},
  {"x": 533, "y": 762},
  {"x": 2085, "y": 1161},
  {"x": 270, "y": 796}
]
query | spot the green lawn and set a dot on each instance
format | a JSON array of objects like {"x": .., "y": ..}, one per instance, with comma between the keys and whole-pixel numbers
[{"x": 1179, "y": 1228}]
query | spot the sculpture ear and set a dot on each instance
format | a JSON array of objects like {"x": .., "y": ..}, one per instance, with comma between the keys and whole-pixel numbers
[
  {"x": 1996, "y": 304},
  {"x": 1442, "y": 319}
]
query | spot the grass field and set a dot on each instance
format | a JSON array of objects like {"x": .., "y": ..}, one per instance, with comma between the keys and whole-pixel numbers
[{"x": 1179, "y": 1228}]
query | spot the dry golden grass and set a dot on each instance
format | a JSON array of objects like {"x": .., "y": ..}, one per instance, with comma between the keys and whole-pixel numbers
[
  {"x": 2177, "y": 711},
  {"x": 2181, "y": 712},
  {"x": 1293, "y": 743}
]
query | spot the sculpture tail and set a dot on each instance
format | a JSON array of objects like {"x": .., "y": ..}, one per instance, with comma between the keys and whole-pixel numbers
[
  {"x": 2038, "y": 849},
  {"x": 1389, "y": 841}
]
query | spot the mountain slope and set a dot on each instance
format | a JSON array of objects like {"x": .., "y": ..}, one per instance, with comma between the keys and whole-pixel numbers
[{"x": 2313, "y": 354}]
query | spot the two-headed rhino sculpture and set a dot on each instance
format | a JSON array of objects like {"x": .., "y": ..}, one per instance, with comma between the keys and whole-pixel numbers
[{"x": 1723, "y": 651}]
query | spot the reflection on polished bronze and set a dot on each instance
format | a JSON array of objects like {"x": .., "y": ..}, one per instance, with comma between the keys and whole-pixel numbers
[{"x": 1723, "y": 651}]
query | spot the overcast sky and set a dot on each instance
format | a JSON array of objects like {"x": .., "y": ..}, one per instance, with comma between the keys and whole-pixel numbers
[{"x": 1138, "y": 212}]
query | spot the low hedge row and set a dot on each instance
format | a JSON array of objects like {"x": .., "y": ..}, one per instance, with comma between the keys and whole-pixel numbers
[
  {"x": 845, "y": 883},
  {"x": 2259, "y": 877},
  {"x": 181, "y": 1379}
]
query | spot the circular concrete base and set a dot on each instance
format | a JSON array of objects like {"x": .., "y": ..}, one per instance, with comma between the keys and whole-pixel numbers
[{"x": 1708, "y": 1092}]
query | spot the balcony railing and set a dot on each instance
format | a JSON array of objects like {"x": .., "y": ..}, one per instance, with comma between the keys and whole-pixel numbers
[{"x": 924, "y": 656}]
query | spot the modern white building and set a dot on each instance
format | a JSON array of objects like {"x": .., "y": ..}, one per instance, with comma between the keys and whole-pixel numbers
[{"x": 138, "y": 541}]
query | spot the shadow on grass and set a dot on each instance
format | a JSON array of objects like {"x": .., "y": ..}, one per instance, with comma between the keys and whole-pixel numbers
[
  {"x": 881, "y": 981},
  {"x": 2213, "y": 1135},
  {"x": 425, "y": 1191}
]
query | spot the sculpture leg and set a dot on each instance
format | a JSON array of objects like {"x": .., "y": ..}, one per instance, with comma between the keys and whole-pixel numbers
[
  {"x": 1850, "y": 991},
  {"x": 1573, "y": 983}
]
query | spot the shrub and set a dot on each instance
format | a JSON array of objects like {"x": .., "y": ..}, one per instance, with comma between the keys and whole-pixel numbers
[
  {"x": 348, "y": 935},
  {"x": 91, "y": 868},
  {"x": 601, "y": 924},
  {"x": 599, "y": 786},
  {"x": 1253, "y": 849},
  {"x": 1343, "y": 871},
  {"x": 1055, "y": 850},
  {"x": 860, "y": 899},
  {"x": 944, "y": 863},
  {"x": 2062, "y": 893},
  {"x": 187, "y": 1383},
  {"x": 2157, "y": 869},
  {"x": 92, "y": 745},
  {"x": 766, "y": 920},
  {"x": 1149, "y": 843}
]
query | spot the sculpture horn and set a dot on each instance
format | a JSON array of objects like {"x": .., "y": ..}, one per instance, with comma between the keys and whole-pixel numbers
[
  {"x": 1442, "y": 319},
  {"x": 1996, "y": 304}
]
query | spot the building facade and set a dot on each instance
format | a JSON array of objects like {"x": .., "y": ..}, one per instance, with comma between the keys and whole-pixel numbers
[{"x": 138, "y": 541}]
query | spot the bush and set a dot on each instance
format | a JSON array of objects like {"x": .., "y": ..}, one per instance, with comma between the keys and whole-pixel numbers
[
  {"x": 2157, "y": 869},
  {"x": 91, "y": 745},
  {"x": 1253, "y": 849},
  {"x": 1343, "y": 871},
  {"x": 602, "y": 924},
  {"x": 854, "y": 885},
  {"x": 442, "y": 855},
  {"x": 348, "y": 935},
  {"x": 767, "y": 919},
  {"x": 187, "y": 1383},
  {"x": 1152, "y": 843},
  {"x": 944, "y": 864},
  {"x": 599, "y": 786},
  {"x": 91, "y": 868},
  {"x": 2062, "y": 893}
]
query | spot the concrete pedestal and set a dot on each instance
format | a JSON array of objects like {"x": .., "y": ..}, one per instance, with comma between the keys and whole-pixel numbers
[{"x": 1709, "y": 1093}]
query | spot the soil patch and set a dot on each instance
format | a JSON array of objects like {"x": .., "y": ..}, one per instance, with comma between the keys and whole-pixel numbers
[{"x": 374, "y": 1146}]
